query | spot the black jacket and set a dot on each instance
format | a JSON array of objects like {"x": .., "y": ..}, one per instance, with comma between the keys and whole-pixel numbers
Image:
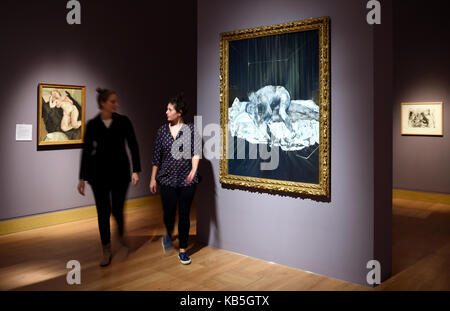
[{"x": 104, "y": 158}]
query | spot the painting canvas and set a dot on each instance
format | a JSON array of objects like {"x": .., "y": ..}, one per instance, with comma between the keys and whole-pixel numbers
[
  {"x": 275, "y": 103},
  {"x": 61, "y": 114},
  {"x": 422, "y": 118}
]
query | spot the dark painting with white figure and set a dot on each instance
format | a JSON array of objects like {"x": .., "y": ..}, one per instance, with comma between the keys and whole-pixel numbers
[{"x": 273, "y": 103}]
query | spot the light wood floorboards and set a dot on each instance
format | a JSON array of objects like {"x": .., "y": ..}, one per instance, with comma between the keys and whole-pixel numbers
[{"x": 36, "y": 259}]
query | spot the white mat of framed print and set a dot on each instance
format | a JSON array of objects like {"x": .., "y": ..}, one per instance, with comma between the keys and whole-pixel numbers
[{"x": 422, "y": 118}]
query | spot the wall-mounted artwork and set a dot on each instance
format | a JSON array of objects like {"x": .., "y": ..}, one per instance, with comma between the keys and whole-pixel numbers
[
  {"x": 425, "y": 118},
  {"x": 61, "y": 114},
  {"x": 275, "y": 102}
]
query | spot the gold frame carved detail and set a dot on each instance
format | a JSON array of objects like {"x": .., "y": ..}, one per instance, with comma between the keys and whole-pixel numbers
[{"x": 322, "y": 189}]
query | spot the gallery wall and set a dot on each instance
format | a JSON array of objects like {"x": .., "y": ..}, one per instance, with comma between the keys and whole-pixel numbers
[
  {"x": 335, "y": 238},
  {"x": 422, "y": 74},
  {"x": 144, "y": 56}
]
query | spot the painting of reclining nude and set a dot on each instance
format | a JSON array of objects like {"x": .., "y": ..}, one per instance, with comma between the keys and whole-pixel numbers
[
  {"x": 61, "y": 115},
  {"x": 275, "y": 107}
]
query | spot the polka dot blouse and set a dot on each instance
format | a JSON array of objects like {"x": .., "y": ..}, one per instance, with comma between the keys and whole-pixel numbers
[{"x": 174, "y": 156}]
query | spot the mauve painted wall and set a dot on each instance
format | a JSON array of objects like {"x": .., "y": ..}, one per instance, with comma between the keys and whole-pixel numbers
[
  {"x": 335, "y": 238},
  {"x": 143, "y": 51},
  {"x": 422, "y": 73},
  {"x": 383, "y": 101}
]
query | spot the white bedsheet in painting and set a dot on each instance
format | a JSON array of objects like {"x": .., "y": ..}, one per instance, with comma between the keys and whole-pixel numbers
[{"x": 266, "y": 119}]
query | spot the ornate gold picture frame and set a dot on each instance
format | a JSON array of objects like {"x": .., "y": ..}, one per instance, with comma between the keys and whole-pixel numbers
[
  {"x": 275, "y": 94},
  {"x": 61, "y": 115}
]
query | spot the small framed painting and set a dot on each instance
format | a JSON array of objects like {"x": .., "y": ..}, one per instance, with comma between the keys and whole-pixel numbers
[
  {"x": 61, "y": 115},
  {"x": 422, "y": 118}
]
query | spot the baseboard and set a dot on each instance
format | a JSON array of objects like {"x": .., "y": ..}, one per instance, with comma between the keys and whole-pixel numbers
[
  {"x": 60, "y": 217},
  {"x": 421, "y": 196}
]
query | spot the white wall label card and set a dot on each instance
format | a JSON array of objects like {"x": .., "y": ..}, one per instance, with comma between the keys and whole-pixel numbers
[{"x": 24, "y": 132}]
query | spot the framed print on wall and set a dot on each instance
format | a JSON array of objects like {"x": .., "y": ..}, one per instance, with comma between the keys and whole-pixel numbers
[
  {"x": 61, "y": 115},
  {"x": 422, "y": 118},
  {"x": 275, "y": 97}
]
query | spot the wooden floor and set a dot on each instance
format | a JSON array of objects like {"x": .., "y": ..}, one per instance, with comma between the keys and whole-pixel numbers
[{"x": 36, "y": 259}]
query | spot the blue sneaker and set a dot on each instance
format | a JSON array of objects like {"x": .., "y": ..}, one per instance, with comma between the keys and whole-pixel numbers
[
  {"x": 184, "y": 258},
  {"x": 167, "y": 243}
]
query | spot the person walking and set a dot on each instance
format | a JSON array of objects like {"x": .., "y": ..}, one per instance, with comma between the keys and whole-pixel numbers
[
  {"x": 175, "y": 160},
  {"x": 106, "y": 167}
]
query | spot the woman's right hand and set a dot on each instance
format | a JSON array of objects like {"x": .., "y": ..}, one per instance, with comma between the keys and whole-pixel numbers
[
  {"x": 153, "y": 186},
  {"x": 81, "y": 186}
]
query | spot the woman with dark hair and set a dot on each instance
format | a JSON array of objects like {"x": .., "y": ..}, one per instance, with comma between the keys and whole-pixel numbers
[
  {"x": 105, "y": 165},
  {"x": 176, "y": 156}
]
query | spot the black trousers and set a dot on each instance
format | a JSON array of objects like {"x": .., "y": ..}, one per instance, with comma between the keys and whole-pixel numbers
[
  {"x": 170, "y": 196},
  {"x": 109, "y": 198}
]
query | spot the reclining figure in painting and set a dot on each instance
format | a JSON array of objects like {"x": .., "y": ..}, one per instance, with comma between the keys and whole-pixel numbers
[
  {"x": 269, "y": 104},
  {"x": 272, "y": 117}
]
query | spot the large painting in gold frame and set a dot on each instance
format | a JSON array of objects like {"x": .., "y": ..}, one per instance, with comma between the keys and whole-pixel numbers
[
  {"x": 61, "y": 115},
  {"x": 275, "y": 86}
]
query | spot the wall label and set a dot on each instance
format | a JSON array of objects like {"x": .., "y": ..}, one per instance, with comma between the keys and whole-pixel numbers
[{"x": 24, "y": 132}]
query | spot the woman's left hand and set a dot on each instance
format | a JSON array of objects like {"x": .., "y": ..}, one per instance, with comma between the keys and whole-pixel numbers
[
  {"x": 190, "y": 177},
  {"x": 134, "y": 179}
]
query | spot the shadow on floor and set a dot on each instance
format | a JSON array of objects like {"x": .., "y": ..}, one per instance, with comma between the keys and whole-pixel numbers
[{"x": 93, "y": 276}]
